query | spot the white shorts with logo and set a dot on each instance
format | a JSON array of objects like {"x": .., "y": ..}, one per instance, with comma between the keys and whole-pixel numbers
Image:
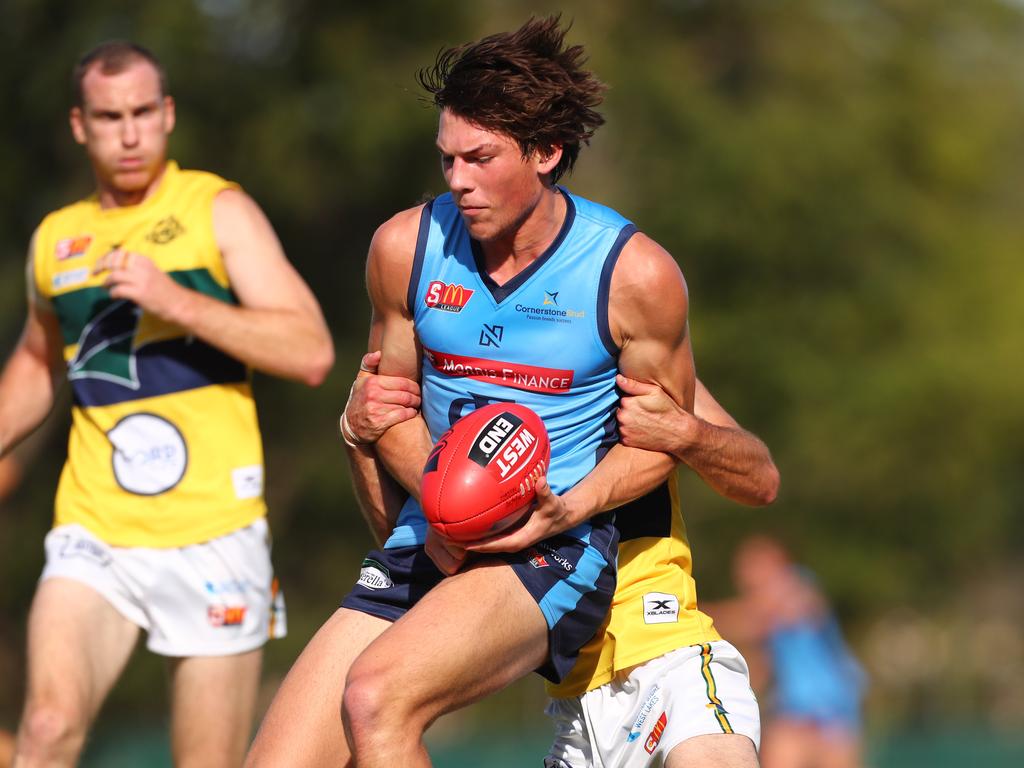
[
  {"x": 215, "y": 598},
  {"x": 635, "y": 720}
]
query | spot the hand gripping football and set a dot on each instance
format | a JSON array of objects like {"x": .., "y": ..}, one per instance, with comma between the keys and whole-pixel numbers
[{"x": 481, "y": 475}]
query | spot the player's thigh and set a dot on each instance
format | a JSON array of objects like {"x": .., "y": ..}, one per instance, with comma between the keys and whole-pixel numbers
[
  {"x": 469, "y": 636},
  {"x": 213, "y": 703},
  {"x": 717, "y": 750},
  {"x": 78, "y": 644},
  {"x": 303, "y": 725}
]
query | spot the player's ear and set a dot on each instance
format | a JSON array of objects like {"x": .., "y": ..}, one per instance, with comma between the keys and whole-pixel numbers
[
  {"x": 77, "y": 121},
  {"x": 170, "y": 115},
  {"x": 548, "y": 159}
]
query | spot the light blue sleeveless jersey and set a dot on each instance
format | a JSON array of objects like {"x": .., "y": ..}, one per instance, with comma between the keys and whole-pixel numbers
[{"x": 542, "y": 339}]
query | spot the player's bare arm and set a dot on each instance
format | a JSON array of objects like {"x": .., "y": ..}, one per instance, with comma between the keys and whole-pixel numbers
[
  {"x": 32, "y": 373},
  {"x": 277, "y": 327},
  {"x": 648, "y": 320},
  {"x": 375, "y": 404},
  {"x": 734, "y": 462},
  {"x": 405, "y": 446}
]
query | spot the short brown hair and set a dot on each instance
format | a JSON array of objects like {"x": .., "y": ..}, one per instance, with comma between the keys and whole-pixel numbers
[
  {"x": 524, "y": 84},
  {"x": 113, "y": 57}
]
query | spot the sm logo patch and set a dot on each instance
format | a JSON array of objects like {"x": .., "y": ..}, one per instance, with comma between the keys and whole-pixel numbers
[
  {"x": 448, "y": 297},
  {"x": 225, "y": 615},
  {"x": 72, "y": 247}
]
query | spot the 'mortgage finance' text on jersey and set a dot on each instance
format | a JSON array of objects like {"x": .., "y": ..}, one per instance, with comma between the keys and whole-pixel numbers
[
  {"x": 541, "y": 339},
  {"x": 165, "y": 448}
]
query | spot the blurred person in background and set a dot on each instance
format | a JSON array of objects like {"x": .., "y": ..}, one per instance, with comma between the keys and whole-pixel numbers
[
  {"x": 782, "y": 621},
  {"x": 156, "y": 296}
]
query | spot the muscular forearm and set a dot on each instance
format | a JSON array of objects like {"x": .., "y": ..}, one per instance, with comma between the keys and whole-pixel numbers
[
  {"x": 622, "y": 475},
  {"x": 404, "y": 449},
  {"x": 380, "y": 498},
  {"x": 734, "y": 462},
  {"x": 283, "y": 342}
]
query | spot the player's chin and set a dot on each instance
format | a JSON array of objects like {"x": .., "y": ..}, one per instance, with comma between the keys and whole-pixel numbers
[{"x": 133, "y": 180}]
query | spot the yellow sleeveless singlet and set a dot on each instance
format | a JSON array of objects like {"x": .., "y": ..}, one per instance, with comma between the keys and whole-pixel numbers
[
  {"x": 654, "y": 609},
  {"x": 165, "y": 448}
]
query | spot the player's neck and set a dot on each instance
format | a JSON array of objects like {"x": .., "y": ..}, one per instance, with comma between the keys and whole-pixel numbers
[
  {"x": 111, "y": 197},
  {"x": 505, "y": 257}
]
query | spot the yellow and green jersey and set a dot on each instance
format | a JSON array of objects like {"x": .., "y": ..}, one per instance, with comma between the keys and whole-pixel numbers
[
  {"x": 165, "y": 448},
  {"x": 654, "y": 609}
]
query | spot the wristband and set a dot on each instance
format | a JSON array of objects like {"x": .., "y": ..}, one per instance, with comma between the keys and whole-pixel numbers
[{"x": 346, "y": 430}]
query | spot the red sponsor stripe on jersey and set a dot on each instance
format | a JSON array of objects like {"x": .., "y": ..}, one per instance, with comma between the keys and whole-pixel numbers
[{"x": 531, "y": 378}]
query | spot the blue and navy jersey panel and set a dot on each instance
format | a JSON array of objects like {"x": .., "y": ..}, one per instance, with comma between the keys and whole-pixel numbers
[{"x": 542, "y": 339}]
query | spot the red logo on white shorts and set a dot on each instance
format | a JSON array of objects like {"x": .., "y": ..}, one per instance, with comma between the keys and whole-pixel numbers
[
  {"x": 225, "y": 615},
  {"x": 656, "y": 731}
]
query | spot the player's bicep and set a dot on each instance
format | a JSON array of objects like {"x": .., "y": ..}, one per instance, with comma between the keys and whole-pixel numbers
[
  {"x": 388, "y": 271},
  {"x": 648, "y": 308}
]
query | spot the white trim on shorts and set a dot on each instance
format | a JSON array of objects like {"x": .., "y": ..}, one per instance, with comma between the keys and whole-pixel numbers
[
  {"x": 216, "y": 598},
  {"x": 636, "y": 720}
]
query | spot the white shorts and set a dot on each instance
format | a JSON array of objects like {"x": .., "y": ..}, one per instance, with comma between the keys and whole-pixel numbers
[
  {"x": 636, "y": 719},
  {"x": 216, "y": 598}
]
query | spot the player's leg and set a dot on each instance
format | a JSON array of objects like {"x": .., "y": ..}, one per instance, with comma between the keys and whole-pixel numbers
[
  {"x": 213, "y": 703},
  {"x": 729, "y": 722},
  {"x": 471, "y": 635},
  {"x": 303, "y": 725},
  {"x": 78, "y": 644},
  {"x": 718, "y": 750}
]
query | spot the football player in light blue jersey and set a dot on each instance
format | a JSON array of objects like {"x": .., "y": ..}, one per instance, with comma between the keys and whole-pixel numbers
[{"x": 506, "y": 288}]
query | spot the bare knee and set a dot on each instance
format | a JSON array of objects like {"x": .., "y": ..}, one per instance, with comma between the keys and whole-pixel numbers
[
  {"x": 377, "y": 705},
  {"x": 50, "y": 730}
]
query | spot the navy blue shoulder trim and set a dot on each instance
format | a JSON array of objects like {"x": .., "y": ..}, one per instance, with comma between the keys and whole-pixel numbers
[
  {"x": 417, "y": 260},
  {"x": 604, "y": 288}
]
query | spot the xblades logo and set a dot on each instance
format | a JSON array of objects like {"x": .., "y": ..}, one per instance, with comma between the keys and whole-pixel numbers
[{"x": 660, "y": 605}]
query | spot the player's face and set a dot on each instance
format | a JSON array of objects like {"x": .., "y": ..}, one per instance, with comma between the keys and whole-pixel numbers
[
  {"x": 495, "y": 187},
  {"x": 123, "y": 124}
]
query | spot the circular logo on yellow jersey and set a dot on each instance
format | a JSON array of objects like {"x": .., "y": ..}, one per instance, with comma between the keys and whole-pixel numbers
[{"x": 150, "y": 455}]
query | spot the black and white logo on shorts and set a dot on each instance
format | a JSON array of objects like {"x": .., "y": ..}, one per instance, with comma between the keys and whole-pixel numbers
[{"x": 373, "y": 575}]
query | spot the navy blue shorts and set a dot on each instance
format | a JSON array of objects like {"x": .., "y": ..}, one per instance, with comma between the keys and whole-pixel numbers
[{"x": 571, "y": 580}]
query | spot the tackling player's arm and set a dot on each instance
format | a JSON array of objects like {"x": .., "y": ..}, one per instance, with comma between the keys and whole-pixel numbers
[
  {"x": 375, "y": 404},
  {"x": 32, "y": 373},
  {"x": 647, "y": 312},
  {"x": 734, "y": 462},
  {"x": 277, "y": 328}
]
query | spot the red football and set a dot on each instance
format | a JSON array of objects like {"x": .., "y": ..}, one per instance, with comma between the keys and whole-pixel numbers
[{"x": 480, "y": 477}]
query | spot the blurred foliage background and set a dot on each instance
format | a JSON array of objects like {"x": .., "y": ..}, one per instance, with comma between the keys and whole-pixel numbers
[{"x": 839, "y": 183}]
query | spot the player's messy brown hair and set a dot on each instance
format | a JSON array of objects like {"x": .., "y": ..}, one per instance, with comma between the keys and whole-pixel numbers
[
  {"x": 524, "y": 84},
  {"x": 113, "y": 57}
]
